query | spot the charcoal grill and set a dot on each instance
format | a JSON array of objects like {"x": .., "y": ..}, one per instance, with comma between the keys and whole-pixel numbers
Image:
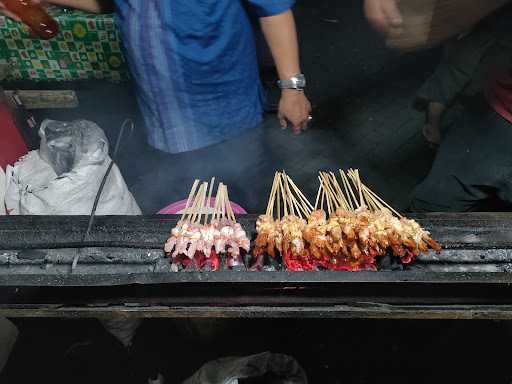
[{"x": 123, "y": 270}]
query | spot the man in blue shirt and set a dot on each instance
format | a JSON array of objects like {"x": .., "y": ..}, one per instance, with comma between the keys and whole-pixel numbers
[{"x": 195, "y": 66}]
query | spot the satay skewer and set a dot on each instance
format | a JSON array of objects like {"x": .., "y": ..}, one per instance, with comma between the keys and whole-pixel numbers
[
  {"x": 327, "y": 193},
  {"x": 285, "y": 208},
  {"x": 348, "y": 190},
  {"x": 193, "y": 206},
  {"x": 200, "y": 202},
  {"x": 222, "y": 201},
  {"x": 203, "y": 210},
  {"x": 189, "y": 199},
  {"x": 322, "y": 198},
  {"x": 209, "y": 202},
  {"x": 301, "y": 195},
  {"x": 216, "y": 209},
  {"x": 318, "y": 196},
  {"x": 337, "y": 190},
  {"x": 377, "y": 199},
  {"x": 271, "y": 198},
  {"x": 329, "y": 188},
  {"x": 295, "y": 198},
  {"x": 231, "y": 214},
  {"x": 278, "y": 201},
  {"x": 287, "y": 194}
]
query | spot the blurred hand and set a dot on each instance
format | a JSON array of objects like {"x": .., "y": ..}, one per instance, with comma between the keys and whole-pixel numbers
[
  {"x": 294, "y": 108},
  {"x": 384, "y": 16},
  {"x": 10, "y": 14}
]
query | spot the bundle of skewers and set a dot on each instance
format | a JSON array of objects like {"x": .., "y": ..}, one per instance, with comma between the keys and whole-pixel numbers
[
  {"x": 204, "y": 237},
  {"x": 280, "y": 231},
  {"x": 348, "y": 228}
]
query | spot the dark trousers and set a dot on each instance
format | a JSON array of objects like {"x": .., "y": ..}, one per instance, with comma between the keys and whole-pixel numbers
[{"x": 473, "y": 167}]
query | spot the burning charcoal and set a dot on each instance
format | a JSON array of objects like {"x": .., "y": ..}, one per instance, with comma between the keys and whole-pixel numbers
[
  {"x": 258, "y": 264},
  {"x": 388, "y": 262}
]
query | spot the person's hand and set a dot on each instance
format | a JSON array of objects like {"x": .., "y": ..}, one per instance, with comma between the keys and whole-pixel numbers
[
  {"x": 12, "y": 15},
  {"x": 294, "y": 108},
  {"x": 8, "y": 13},
  {"x": 385, "y": 16}
]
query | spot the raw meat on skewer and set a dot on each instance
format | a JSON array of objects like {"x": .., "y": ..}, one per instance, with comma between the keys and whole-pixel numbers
[{"x": 196, "y": 242}]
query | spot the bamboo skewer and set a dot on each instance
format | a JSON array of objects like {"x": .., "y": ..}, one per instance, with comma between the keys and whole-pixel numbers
[
  {"x": 329, "y": 188},
  {"x": 348, "y": 190},
  {"x": 285, "y": 208},
  {"x": 230, "y": 208},
  {"x": 209, "y": 202},
  {"x": 288, "y": 194},
  {"x": 298, "y": 199},
  {"x": 337, "y": 187},
  {"x": 323, "y": 197},
  {"x": 278, "y": 202},
  {"x": 203, "y": 203},
  {"x": 379, "y": 199},
  {"x": 300, "y": 194},
  {"x": 192, "y": 208},
  {"x": 376, "y": 198},
  {"x": 222, "y": 201},
  {"x": 191, "y": 194},
  {"x": 199, "y": 203},
  {"x": 217, "y": 203},
  {"x": 272, "y": 196},
  {"x": 318, "y": 196},
  {"x": 327, "y": 192}
]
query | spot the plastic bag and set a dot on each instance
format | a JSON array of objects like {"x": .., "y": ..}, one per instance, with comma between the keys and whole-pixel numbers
[
  {"x": 8, "y": 336},
  {"x": 64, "y": 175},
  {"x": 271, "y": 368}
]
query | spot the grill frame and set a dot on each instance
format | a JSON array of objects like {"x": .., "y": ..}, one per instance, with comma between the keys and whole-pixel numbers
[{"x": 480, "y": 243}]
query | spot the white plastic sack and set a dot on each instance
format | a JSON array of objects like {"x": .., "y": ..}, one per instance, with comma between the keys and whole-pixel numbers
[
  {"x": 8, "y": 336},
  {"x": 64, "y": 175}
]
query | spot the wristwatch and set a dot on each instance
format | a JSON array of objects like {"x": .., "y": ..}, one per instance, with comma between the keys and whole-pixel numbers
[{"x": 297, "y": 82}]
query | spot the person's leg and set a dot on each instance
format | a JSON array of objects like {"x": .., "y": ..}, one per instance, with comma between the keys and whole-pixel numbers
[
  {"x": 473, "y": 164},
  {"x": 461, "y": 62}
]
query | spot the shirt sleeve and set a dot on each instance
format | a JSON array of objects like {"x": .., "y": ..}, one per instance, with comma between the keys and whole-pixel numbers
[{"x": 265, "y": 8}]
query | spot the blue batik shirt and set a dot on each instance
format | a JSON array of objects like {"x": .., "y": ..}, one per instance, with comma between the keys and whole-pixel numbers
[{"x": 194, "y": 63}]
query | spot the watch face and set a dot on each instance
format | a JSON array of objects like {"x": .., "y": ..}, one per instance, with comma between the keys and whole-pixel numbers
[{"x": 300, "y": 81}]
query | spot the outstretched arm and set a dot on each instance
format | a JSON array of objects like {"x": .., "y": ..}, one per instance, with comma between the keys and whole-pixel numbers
[
  {"x": 281, "y": 36},
  {"x": 94, "y": 6}
]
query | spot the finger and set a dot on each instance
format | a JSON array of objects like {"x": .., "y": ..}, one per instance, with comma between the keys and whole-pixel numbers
[
  {"x": 306, "y": 124},
  {"x": 392, "y": 13},
  {"x": 282, "y": 121},
  {"x": 375, "y": 15},
  {"x": 395, "y": 32},
  {"x": 11, "y": 15},
  {"x": 297, "y": 128}
]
